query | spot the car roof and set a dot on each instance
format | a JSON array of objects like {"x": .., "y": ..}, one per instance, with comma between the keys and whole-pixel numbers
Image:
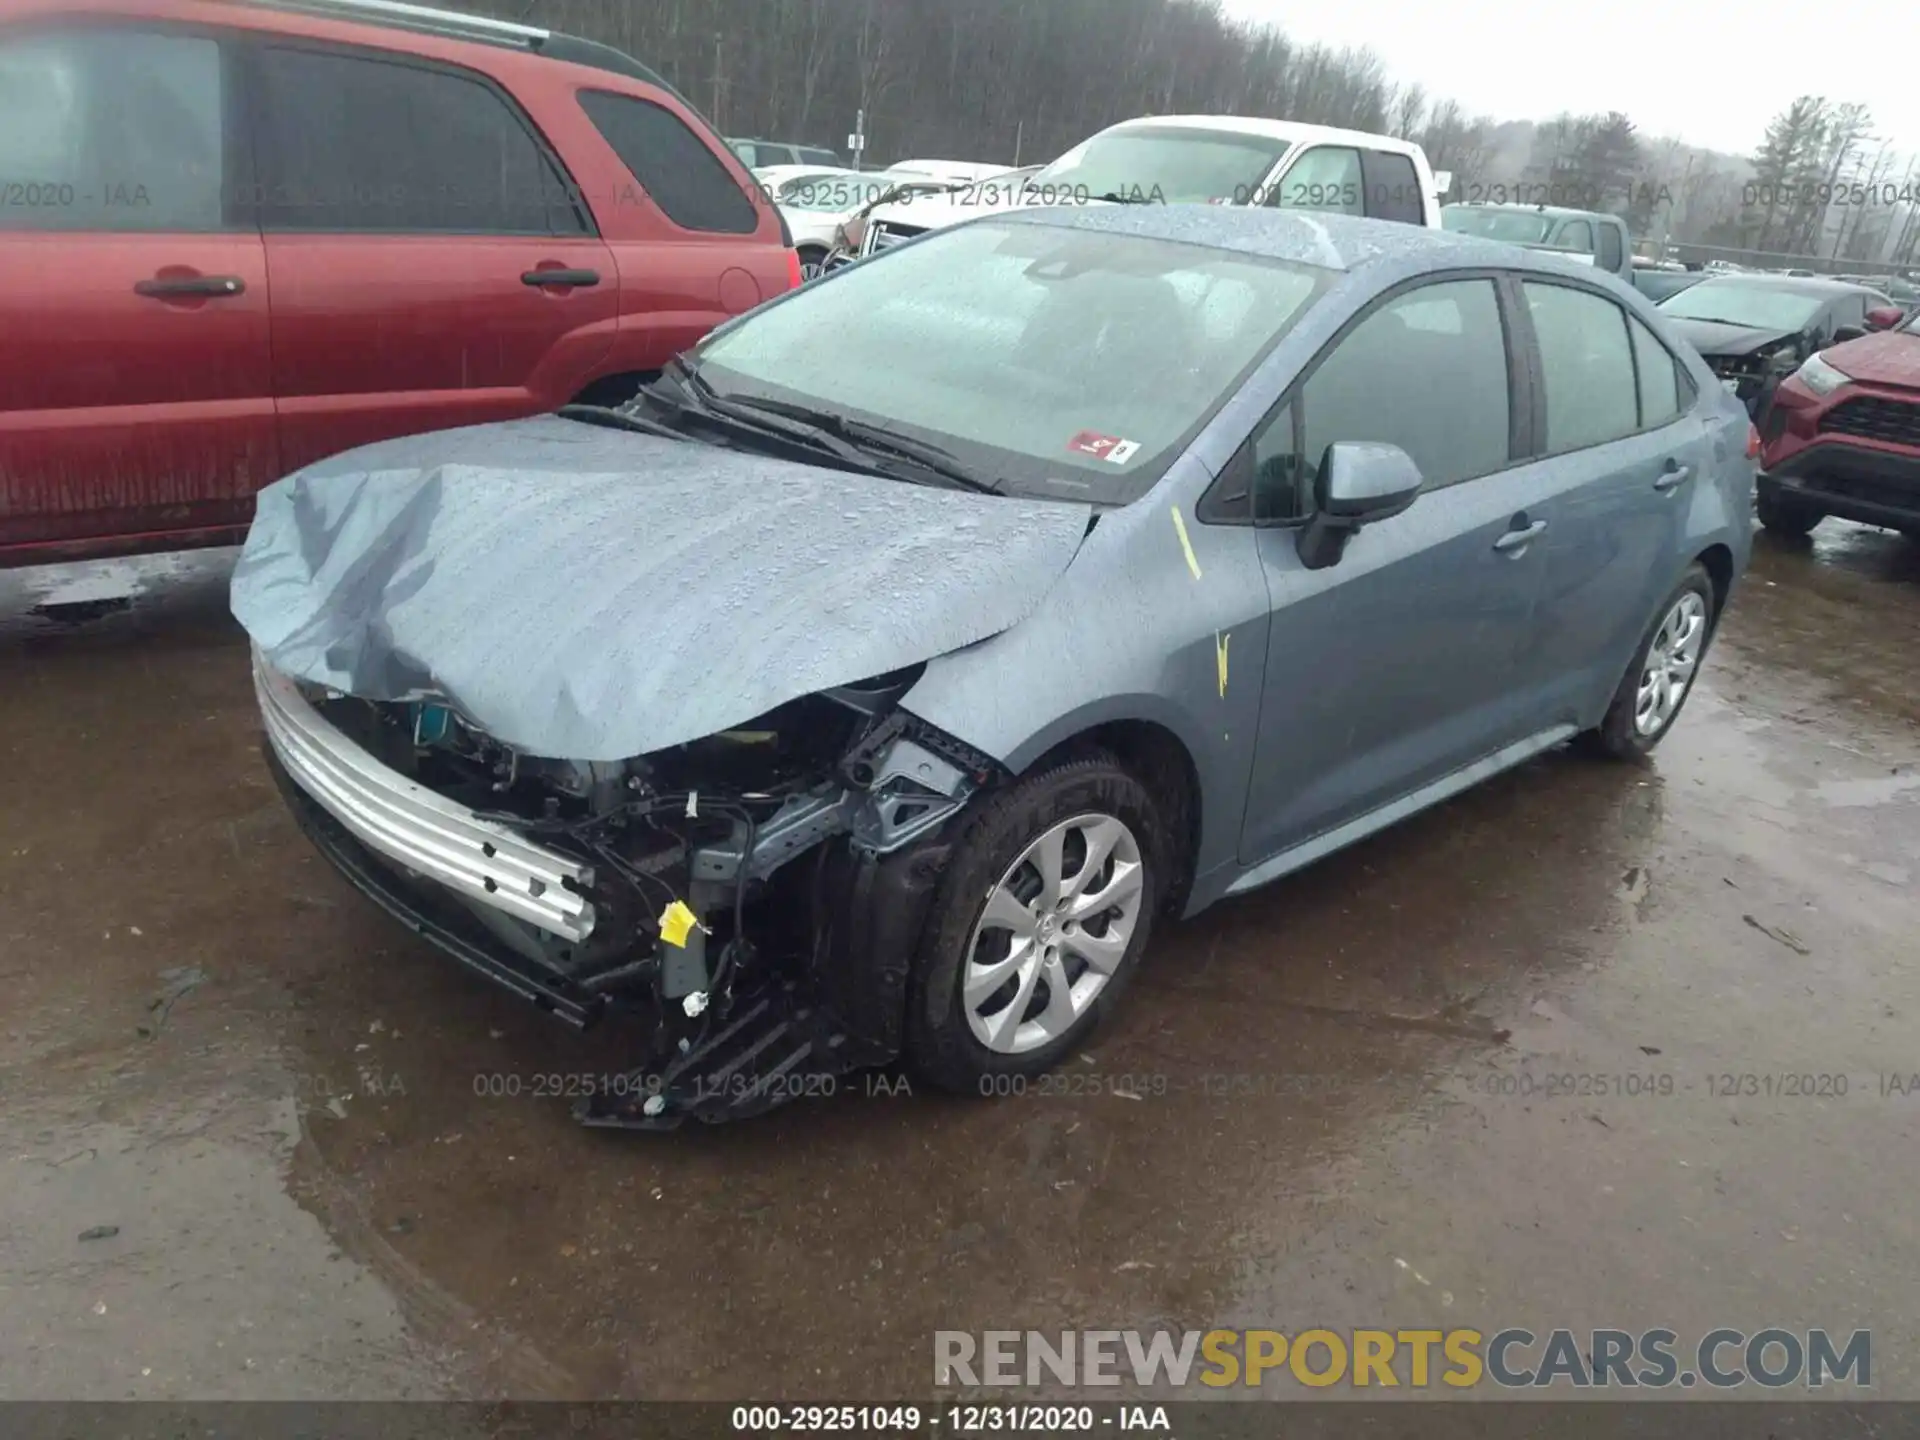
[
  {"x": 1335, "y": 242},
  {"x": 1290, "y": 130}
]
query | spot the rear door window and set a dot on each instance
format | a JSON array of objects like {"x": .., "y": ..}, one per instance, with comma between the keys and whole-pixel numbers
[
  {"x": 1587, "y": 364},
  {"x": 115, "y": 130},
  {"x": 1393, "y": 187},
  {"x": 1326, "y": 177},
  {"x": 360, "y": 143},
  {"x": 673, "y": 165},
  {"x": 1661, "y": 394}
]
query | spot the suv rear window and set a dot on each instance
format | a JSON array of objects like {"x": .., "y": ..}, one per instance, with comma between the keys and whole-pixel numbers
[
  {"x": 673, "y": 165},
  {"x": 364, "y": 144}
]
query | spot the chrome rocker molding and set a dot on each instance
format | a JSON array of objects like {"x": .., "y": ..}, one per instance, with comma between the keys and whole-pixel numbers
[{"x": 423, "y": 832}]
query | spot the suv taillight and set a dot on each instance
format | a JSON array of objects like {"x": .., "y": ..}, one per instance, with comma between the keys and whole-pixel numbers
[
  {"x": 1753, "y": 442},
  {"x": 793, "y": 270}
]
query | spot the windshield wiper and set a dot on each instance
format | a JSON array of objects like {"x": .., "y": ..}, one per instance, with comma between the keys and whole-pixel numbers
[
  {"x": 697, "y": 398},
  {"x": 614, "y": 419},
  {"x": 1716, "y": 320},
  {"x": 922, "y": 453},
  {"x": 1114, "y": 197}
]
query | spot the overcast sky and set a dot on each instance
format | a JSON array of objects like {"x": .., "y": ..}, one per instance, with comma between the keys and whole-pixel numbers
[{"x": 1711, "y": 73}]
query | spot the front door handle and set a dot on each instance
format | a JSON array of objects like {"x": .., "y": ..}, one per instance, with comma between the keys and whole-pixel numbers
[
  {"x": 1514, "y": 541},
  {"x": 568, "y": 279},
  {"x": 1672, "y": 478},
  {"x": 174, "y": 287}
]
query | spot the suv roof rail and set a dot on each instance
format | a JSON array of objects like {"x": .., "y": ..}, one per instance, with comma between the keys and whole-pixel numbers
[
  {"x": 419, "y": 17},
  {"x": 455, "y": 25}
]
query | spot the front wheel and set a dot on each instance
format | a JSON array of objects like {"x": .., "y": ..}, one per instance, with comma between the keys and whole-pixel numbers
[
  {"x": 1661, "y": 676},
  {"x": 1041, "y": 917}
]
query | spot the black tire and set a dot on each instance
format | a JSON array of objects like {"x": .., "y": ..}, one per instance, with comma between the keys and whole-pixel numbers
[
  {"x": 1616, "y": 737},
  {"x": 940, "y": 1046},
  {"x": 1793, "y": 519},
  {"x": 812, "y": 257}
]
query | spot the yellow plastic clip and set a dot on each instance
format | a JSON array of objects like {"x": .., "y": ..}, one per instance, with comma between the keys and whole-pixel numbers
[{"x": 676, "y": 922}]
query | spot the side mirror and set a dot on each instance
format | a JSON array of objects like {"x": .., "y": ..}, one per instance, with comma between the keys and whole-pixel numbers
[
  {"x": 1844, "y": 333},
  {"x": 1884, "y": 317},
  {"x": 1359, "y": 483}
]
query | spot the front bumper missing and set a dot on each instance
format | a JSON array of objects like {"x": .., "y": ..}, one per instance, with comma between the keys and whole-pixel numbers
[
  {"x": 424, "y": 833},
  {"x": 430, "y": 913},
  {"x": 428, "y": 862}
]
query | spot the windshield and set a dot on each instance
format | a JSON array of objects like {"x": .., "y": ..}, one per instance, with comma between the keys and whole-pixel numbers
[
  {"x": 1521, "y": 227},
  {"x": 1173, "y": 164},
  {"x": 1742, "y": 302},
  {"x": 1052, "y": 361}
]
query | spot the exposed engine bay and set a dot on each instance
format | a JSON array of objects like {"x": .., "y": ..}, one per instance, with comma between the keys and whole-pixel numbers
[{"x": 752, "y": 891}]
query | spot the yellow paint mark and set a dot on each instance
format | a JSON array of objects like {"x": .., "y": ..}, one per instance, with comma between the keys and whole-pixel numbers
[
  {"x": 1220, "y": 643},
  {"x": 1186, "y": 545},
  {"x": 675, "y": 923}
]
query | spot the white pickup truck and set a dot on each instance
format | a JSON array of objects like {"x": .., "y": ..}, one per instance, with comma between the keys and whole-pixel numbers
[{"x": 1198, "y": 159}]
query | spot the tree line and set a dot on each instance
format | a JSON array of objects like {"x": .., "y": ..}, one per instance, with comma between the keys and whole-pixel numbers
[{"x": 1021, "y": 81}]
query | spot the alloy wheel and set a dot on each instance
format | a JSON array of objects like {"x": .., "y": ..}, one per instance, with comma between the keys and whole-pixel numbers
[
  {"x": 1052, "y": 933},
  {"x": 1673, "y": 659}
]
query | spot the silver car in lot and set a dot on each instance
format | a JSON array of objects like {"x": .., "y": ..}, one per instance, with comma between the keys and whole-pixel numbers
[{"x": 870, "y": 686}]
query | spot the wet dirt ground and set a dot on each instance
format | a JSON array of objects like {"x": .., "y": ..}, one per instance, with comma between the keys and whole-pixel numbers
[{"x": 256, "y": 1141}]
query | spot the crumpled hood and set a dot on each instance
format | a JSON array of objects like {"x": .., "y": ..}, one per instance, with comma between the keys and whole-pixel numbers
[
  {"x": 1713, "y": 337},
  {"x": 589, "y": 594}
]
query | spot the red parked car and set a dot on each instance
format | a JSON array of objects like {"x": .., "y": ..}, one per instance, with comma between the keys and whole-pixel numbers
[
  {"x": 238, "y": 237},
  {"x": 1842, "y": 437}
]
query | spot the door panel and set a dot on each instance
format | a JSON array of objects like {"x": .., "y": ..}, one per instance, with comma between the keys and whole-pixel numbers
[
  {"x": 1632, "y": 448},
  {"x": 382, "y": 335},
  {"x": 122, "y": 413},
  {"x": 409, "y": 210},
  {"x": 134, "y": 372},
  {"x": 1395, "y": 666},
  {"x": 1612, "y": 554}
]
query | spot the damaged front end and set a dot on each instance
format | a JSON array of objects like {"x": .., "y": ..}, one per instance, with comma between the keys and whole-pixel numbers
[{"x": 756, "y": 895}]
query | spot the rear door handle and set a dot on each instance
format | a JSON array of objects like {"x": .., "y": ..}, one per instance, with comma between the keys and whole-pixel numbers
[
  {"x": 1673, "y": 477},
  {"x": 174, "y": 286},
  {"x": 569, "y": 279},
  {"x": 1517, "y": 540}
]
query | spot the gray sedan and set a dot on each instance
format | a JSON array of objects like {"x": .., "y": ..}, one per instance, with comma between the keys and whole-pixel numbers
[{"x": 872, "y": 684}]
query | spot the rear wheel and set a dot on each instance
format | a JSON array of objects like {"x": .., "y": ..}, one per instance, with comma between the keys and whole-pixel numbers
[
  {"x": 1041, "y": 917},
  {"x": 812, "y": 259},
  {"x": 1783, "y": 516},
  {"x": 1661, "y": 676}
]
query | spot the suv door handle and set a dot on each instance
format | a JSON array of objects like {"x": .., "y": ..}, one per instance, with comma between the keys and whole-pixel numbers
[
  {"x": 1514, "y": 541},
  {"x": 173, "y": 286},
  {"x": 1673, "y": 477},
  {"x": 568, "y": 279}
]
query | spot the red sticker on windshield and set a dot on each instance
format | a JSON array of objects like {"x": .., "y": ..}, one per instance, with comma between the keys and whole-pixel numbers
[{"x": 1110, "y": 448}]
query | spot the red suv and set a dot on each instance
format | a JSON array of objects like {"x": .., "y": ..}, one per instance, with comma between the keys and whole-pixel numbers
[
  {"x": 237, "y": 237},
  {"x": 1842, "y": 437}
]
